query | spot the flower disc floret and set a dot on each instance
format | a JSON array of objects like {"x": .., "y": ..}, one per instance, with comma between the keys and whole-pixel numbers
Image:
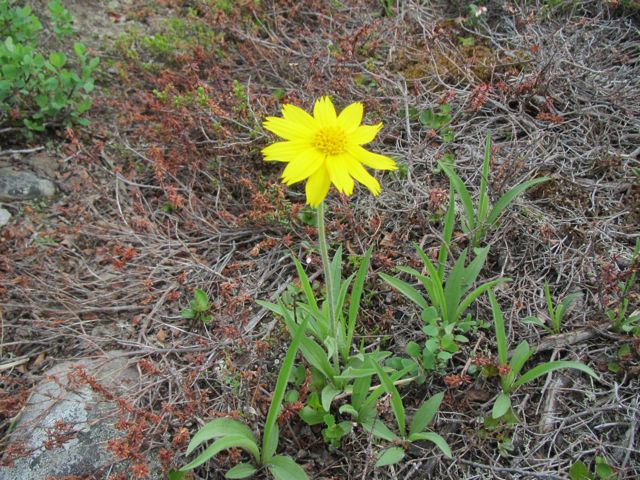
[
  {"x": 325, "y": 149},
  {"x": 331, "y": 141}
]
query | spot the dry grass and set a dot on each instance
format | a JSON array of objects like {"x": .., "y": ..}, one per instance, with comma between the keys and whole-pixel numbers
[{"x": 161, "y": 198}]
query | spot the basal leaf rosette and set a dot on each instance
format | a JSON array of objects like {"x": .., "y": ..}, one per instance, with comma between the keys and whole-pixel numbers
[{"x": 325, "y": 149}]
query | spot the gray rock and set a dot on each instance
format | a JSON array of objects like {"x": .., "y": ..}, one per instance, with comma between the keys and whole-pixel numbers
[
  {"x": 83, "y": 419},
  {"x": 5, "y": 216},
  {"x": 19, "y": 185},
  {"x": 42, "y": 164}
]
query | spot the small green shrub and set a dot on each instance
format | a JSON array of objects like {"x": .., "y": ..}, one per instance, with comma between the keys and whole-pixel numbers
[
  {"x": 624, "y": 319},
  {"x": 40, "y": 89},
  {"x": 480, "y": 218},
  {"x": 556, "y": 314},
  {"x": 198, "y": 307},
  {"x": 448, "y": 297},
  {"x": 512, "y": 363},
  {"x": 439, "y": 120},
  {"x": 603, "y": 471},
  {"x": 228, "y": 433}
]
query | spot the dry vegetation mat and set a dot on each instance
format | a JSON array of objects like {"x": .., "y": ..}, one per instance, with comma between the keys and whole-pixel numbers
[{"x": 169, "y": 226}]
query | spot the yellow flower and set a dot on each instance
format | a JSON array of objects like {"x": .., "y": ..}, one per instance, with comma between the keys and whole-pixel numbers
[{"x": 325, "y": 149}]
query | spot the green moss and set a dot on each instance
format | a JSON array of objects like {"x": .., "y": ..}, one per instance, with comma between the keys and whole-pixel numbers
[{"x": 467, "y": 61}]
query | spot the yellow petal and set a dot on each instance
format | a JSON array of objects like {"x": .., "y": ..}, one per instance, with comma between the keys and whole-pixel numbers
[
  {"x": 324, "y": 112},
  {"x": 339, "y": 173},
  {"x": 318, "y": 187},
  {"x": 284, "y": 151},
  {"x": 297, "y": 115},
  {"x": 358, "y": 172},
  {"x": 370, "y": 159},
  {"x": 287, "y": 129},
  {"x": 364, "y": 134},
  {"x": 351, "y": 117},
  {"x": 302, "y": 167}
]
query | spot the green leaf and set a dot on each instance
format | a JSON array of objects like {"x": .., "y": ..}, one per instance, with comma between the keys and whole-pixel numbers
[
  {"x": 79, "y": 49},
  {"x": 498, "y": 321},
  {"x": 454, "y": 288},
  {"x": 83, "y": 106},
  {"x": 335, "y": 270},
  {"x": 329, "y": 392},
  {"x": 390, "y": 456},
  {"x": 351, "y": 373},
  {"x": 432, "y": 437},
  {"x": 426, "y": 281},
  {"x": 9, "y": 45},
  {"x": 51, "y": 84},
  {"x": 176, "y": 475},
  {"x": 427, "y": 118},
  {"x": 88, "y": 86},
  {"x": 448, "y": 344},
  {"x": 508, "y": 197},
  {"x": 429, "y": 316},
  {"x": 348, "y": 408},
  {"x": 396, "y": 401},
  {"x": 306, "y": 286},
  {"x": 270, "y": 427},
  {"x": 311, "y": 416},
  {"x": 10, "y": 71},
  {"x": 285, "y": 468},
  {"x": 35, "y": 126},
  {"x": 224, "y": 443},
  {"x": 378, "y": 429},
  {"x": 242, "y": 470},
  {"x": 566, "y": 303},
  {"x": 270, "y": 442},
  {"x": 547, "y": 296},
  {"x": 356, "y": 295},
  {"x": 220, "y": 427},
  {"x": 413, "y": 349},
  {"x": 449, "y": 223},
  {"x": 476, "y": 293},
  {"x": 519, "y": 357},
  {"x": 317, "y": 357},
  {"x": 444, "y": 356},
  {"x": 547, "y": 367},
  {"x": 42, "y": 101},
  {"x": 534, "y": 321},
  {"x": 603, "y": 470},
  {"x": 579, "y": 471},
  {"x": 188, "y": 313},
  {"x": 448, "y": 135},
  {"x": 57, "y": 59},
  {"x": 483, "y": 199},
  {"x": 278, "y": 309},
  {"x": 473, "y": 269},
  {"x": 425, "y": 413},
  {"x": 465, "y": 197},
  {"x": 406, "y": 289},
  {"x": 201, "y": 300},
  {"x": 501, "y": 406},
  {"x": 624, "y": 350},
  {"x": 434, "y": 287}
]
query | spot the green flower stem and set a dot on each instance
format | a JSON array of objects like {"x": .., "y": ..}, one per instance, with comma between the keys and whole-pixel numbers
[{"x": 328, "y": 282}]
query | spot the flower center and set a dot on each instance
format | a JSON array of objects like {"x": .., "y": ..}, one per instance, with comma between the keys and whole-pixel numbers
[{"x": 330, "y": 141}]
